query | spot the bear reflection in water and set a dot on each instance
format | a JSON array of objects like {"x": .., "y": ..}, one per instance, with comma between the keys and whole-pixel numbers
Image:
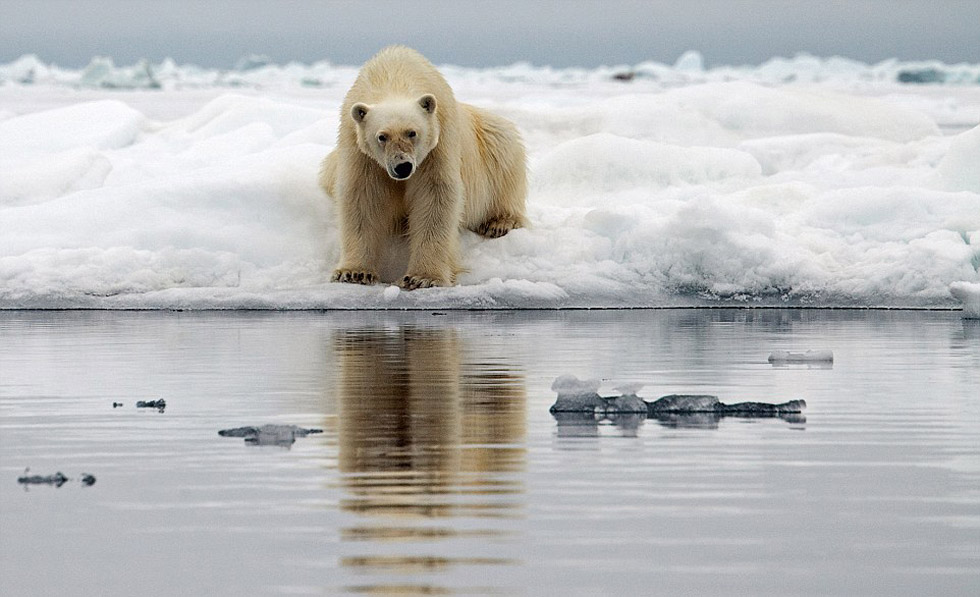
[{"x": 423, "y": 431}]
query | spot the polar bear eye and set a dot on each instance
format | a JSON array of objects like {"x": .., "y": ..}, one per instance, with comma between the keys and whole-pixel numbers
[
  {"x": 382, "y": 138},
  {"x": 410, "y": 134}
]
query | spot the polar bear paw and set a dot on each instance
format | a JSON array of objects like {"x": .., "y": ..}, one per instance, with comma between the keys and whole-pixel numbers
[
  {"x": 497, "y": 227},
  {"x": 413, "y": 282},
  {"x": 354, "y": 276}
]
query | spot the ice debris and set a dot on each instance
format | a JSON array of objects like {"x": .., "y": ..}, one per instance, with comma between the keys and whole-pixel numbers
[
  {"x": 569, "y": 384},
  {"x": 969, "y": 294},
  {"x": 808, "y": 356},
  {"x": 581, "y": 396},
  {"x": 58, "y": 479},
  {"x": 269, "y": 435},
  {"x": 160, "y": 404}
]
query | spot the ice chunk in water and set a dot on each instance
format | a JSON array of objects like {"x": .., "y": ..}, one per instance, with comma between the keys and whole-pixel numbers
[
  {"x": 269, "y": 435},
  {"x": 629, "y": 389},
  {"x": 684, "y": 403},
  {"x": 809, "y": 356},
  {"x": 969, "y": 294},
  {"x": 581, "y": 396},
  {"x": 569, "y": 385}
]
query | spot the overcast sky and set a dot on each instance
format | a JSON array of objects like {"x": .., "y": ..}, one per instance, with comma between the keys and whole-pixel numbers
[{"x": 589, "y": 33}]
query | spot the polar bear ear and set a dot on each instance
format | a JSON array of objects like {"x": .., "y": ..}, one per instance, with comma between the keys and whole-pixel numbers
[
  {"x": 359, "y": 112},
  {"x": 428, "y": 103}
]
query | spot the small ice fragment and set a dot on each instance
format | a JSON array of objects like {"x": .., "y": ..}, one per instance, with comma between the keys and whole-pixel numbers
[
  {"x": 809, "y": 356},
  {"x": 629, "y": 389},
  {"x": 967, "y": 293},
  {"x": 628, "y": 403},
  {"x": 269, "y": 435},
  {"x": 683, "y": 403},
  {"x": 161, "y": 404},
  {"x": 57, "y": 479},
  {"x": 571, "y": 385},
  {"x": 391, "y": 293}
]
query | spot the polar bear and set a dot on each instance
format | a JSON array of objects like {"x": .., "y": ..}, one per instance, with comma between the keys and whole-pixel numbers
[{"x": 412, "y": 161}]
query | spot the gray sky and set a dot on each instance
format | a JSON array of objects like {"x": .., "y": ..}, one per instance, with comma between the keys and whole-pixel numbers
[{"x": 589, "y": 33}]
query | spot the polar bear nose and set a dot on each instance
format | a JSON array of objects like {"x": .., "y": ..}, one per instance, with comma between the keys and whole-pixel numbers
[{"x": 403, "y": 170}]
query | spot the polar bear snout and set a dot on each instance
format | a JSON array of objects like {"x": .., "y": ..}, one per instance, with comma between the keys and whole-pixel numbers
[{"x": 402, "y": 171}]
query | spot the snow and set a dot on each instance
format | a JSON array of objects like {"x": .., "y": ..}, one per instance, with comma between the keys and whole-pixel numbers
[
  {"x": 958, "y": 170},
  {"x": 802, "y": 181}
]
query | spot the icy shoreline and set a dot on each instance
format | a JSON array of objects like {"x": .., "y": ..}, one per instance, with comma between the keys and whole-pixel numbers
[{"x": 819, "y": 187}]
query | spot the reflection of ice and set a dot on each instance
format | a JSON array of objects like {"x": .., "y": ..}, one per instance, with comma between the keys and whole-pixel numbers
[
  {"x": 971, "y": 329},
  {"x": 584, "y": 424},
  {"x": 690, "y": 420},
  {"x": 581, "y": 424},
  {"x": 582, "y": 395}
]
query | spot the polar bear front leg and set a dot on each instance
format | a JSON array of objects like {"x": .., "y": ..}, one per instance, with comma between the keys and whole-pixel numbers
[
  {"x": 361, "y": 234},
  {"x": 434, "y": 211},
  {"x": 357, "y": 261}
]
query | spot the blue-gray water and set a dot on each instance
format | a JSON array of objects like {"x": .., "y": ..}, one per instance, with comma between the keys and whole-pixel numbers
[{"x": 441, "y": 471}]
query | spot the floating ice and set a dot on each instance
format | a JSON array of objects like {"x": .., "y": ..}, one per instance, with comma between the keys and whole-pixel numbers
[
  {"x": 807, "y": 356},
  {"x": 969, "y": 295},
  {"x": 629, "y": 389},
  {"x": 578, "y": 396},
  {"x": 571, "y": 385},
  {"x": 57, "y": 480},
  {"x": 269, "y": 434}
]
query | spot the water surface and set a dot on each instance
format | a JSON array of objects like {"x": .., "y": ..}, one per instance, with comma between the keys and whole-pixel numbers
[{"x": 441, "y": 471}]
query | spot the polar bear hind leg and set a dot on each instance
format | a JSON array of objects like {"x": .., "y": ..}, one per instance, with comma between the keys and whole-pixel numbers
[{"x": 502, "y": 164}]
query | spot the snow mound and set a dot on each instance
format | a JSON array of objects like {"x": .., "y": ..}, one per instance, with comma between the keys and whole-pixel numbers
[
  {"x": 958, "y": 168},
  {"x": 604, "y": 162},
  {"x": 104, "y": 124}
]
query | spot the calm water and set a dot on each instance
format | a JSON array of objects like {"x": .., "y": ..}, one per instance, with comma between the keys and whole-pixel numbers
[{"x": 441, "y": 471}]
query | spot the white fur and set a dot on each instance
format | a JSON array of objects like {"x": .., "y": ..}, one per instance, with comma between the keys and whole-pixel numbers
[{"x": 467, "y": 168}]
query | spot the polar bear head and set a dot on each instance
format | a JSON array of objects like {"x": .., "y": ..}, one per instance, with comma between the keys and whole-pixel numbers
[{"x": 398, "y": 133}]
